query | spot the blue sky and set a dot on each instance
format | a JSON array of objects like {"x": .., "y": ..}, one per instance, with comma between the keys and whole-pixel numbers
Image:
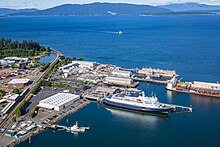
[{"x": 43, "y": 4}]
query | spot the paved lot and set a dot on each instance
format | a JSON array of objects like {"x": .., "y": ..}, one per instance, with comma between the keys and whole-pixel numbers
[{"x": 43, "y": 94}]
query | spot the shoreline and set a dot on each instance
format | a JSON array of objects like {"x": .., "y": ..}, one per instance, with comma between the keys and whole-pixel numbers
[{"x": 44, "y": 128}]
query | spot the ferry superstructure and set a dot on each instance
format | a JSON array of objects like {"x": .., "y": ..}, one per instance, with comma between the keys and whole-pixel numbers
[{"x": 137, "y": 101}]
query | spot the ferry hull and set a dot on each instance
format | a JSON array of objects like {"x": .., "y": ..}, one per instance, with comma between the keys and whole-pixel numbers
[{"x": 137, "y": 108}]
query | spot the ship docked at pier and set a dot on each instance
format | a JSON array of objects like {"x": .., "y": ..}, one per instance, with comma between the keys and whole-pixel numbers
[{"x": 137, "y": 101}]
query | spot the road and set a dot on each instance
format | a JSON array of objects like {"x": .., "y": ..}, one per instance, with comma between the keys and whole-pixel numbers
[{"x": 10, "y": 115}]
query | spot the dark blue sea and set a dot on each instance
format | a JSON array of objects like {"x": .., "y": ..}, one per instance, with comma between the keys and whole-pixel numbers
[{"x": 188, "y": 44}]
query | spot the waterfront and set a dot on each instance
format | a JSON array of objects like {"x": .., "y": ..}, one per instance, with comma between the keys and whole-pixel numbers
[{"x": 189, "y": 45}]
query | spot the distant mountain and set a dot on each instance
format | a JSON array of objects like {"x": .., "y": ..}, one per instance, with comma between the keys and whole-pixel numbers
[
  {"x": 6, "y": 11},
  {"x": 190, "y": 7},
  {"x": 98, "y": 9}
]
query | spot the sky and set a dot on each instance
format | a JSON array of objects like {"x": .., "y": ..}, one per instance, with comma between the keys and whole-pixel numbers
[{"x": 43, "y": 4}]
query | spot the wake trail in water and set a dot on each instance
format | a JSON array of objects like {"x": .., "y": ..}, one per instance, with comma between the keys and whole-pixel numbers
[{"x": 89, "y": 30}]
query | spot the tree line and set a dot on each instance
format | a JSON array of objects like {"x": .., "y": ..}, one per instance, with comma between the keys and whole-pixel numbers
[{"x": 20, "y": 49}]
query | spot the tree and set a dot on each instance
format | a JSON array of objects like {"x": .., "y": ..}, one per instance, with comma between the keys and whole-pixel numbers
[
  {"x": 2, "y": 93},
  {"x": 16, "y": 91},
  {"x": 81, "y": 59},
  {"x": 18, "y": 112}
]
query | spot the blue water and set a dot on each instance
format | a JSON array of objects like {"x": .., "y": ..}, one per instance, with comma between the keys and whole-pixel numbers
[
  {"x": 47, "y": 59},
  {"x": 188, "y": 44}
]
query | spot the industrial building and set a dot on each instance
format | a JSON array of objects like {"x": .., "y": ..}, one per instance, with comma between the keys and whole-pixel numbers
[
  {"x": 157, "y": 72},
  {"x": 11, "y": 97},
  {"x": 121, "y": 73},
  {"x": 107, "y": 90},
  {"x": 89, "y": 78},
  {"x": 119, "y": 81},
  {"x": 18, "y": 82},
  {"x": 205, "y": 85},
  {"x": 67, "y": 68},
  {"x": 86, "y": 64},
  {"x": 59, "y": 101}
]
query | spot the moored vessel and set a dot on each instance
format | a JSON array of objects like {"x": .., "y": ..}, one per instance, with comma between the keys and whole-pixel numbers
[{"x": 137, "y": 101}]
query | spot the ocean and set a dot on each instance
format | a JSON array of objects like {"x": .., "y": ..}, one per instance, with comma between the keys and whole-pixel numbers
[{"x": 188, "y": 44}]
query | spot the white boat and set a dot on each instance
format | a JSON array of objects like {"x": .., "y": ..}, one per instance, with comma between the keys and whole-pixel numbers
[
  {"x": 119, "y": 32},
  {"x": 137, "y": 101},
  {"x": 76, "y": 128}
]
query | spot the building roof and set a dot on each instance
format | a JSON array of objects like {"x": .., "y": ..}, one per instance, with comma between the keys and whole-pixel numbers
[
  {"x": 118, "y": 79},
  {"x": 19, "y": 81},
  {"x": 106, "y": 89},
  {"x": 121, "y": 72},
  {"x": 11, "y": 96},
  {"x": 2, "y": 74},
  {"x": 59, "y": 99}
]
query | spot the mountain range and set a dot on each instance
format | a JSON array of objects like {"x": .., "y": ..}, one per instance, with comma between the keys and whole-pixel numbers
[
  {"x": 180, "y": 7},
  {"x": 103, "y": 9},
  {"x": 6, "y": 11}
]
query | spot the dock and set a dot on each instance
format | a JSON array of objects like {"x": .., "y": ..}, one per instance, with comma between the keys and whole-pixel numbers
[
  {"x": 183, "y": 108},
  {"x": 149, "y": 80}
]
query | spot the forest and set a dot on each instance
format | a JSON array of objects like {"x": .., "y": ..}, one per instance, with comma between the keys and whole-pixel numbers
[{"x": 20, "y": 49}]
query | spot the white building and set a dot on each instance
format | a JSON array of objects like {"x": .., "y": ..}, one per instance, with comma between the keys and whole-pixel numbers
[
  {"x": 86, "y": 64},
  {"x": 121, "y": 73},
  {"x": 68, "y": 67},
  {"x": 11, "y": 96},
  {"x": 59, "y": 101},
  {"x": 18, "y": 82},
  {"x": 119, "y": 81},
  {"x": 206, "y": 85}
]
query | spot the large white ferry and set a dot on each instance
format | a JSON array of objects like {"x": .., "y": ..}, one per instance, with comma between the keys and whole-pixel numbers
[{"x": 137, "y": 101}]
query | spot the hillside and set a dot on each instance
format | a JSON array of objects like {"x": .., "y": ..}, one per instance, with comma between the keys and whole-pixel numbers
[
  {"x": 96, "y": 9},
  {"x": 6, "y": 11},
  {"x": 190, "y": 7}
]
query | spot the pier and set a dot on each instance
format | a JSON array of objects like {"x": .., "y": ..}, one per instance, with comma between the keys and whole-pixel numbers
[
  {"x": 149, "y": 80},
  {"x": 183, "y": 108}
]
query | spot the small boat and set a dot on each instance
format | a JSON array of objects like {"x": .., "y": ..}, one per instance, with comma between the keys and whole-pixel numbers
[
  {"x": 76, "y": 128},
  {"x": 119, "y": 32}
]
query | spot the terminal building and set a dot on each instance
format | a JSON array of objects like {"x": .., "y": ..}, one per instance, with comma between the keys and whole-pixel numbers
[{"x": 59, "y": 101}]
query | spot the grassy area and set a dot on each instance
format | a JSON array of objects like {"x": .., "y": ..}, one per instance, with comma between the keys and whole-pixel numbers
[{"x": 2, "y": 105}]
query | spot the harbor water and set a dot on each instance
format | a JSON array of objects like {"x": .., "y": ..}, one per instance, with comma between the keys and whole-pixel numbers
[{"x": 188, "y": 44}]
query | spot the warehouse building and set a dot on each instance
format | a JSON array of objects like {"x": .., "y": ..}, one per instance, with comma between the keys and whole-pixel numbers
[
  {"x": 121, "y": 73},
  {"x": 119, "y": 81},
  {"x": 86, "y": 64},
  {"x": 18, "y": 82},
  {"x": 59, "y": 101},
  {"x": 205, "y": 85}
]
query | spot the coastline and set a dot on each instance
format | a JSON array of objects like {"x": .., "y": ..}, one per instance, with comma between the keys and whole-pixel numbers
[{"x": 44, "y": 128}]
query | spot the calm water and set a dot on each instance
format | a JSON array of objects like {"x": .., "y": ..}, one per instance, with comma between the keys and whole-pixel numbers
[
  {"x": 48, "y": 58},
  {"x": 188, "y": 44}
]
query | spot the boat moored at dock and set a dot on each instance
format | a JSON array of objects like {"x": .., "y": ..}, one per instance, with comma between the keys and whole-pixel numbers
[
  {"x": 198, "y": 88},
  {"x": 76, "y": 128},
  {"x": 137, "y": 101}
]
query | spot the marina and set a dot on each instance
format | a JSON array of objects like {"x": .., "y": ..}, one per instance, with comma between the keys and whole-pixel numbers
[{"x": 163, "y": 43}]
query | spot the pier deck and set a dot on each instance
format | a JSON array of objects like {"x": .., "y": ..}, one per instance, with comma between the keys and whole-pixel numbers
[
  {"x": 175, "y": 107},
  {"x": 149, "y": 80}
]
